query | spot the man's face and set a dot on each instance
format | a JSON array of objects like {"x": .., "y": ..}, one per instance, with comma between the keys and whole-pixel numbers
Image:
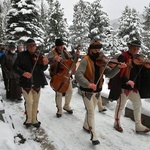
[
  {"x": 60, "y": 48},
  {"x": 20, "y": 48},
  {"x": 134, "y": 50},
  {"x": 31, "y": 47}
]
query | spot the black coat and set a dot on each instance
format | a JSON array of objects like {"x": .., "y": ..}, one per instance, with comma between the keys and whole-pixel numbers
[
  {"x": 24, "y": 63},
  {"x": 139, "y": 74}
]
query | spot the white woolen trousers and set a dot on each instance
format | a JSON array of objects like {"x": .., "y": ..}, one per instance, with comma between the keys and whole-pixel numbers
[{"x": 31, "y": 105}]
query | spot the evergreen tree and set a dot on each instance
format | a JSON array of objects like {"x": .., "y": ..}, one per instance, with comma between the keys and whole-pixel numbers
[
  {"x": 99, "y": 22},
  {"x": 79, "y": 30},
  {"x": 43, "y": 17},
  {"x": 5, "y": 6},
  {"x": 129, "y": 26},
  {"x": 56, "y": 26},
  {"x": 23, "y": 21},
  {"x": 146, "y": 32},
  {"x": 1, "y": 22}
]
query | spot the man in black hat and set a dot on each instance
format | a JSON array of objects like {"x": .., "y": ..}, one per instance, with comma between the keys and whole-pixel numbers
[
  {"x": 32, "y": 79},
  {"x": 127, "y": 82},
  {"x": 56, "y": 56}
]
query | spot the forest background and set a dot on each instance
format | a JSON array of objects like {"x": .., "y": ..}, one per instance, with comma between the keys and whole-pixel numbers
[{"x": 45, "y": 21}]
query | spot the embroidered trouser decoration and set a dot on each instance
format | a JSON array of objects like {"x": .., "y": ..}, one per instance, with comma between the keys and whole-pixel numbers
[{"x": 88, "y": 95}]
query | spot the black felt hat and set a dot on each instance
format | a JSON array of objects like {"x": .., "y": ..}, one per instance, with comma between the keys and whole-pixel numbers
[
  {"x": 134, "y": 43},
  {"x": 30, "y": 41},
  {"x": 59, "y": 42},
  {"x": 12, "y": 46},
  {"x": 95, "y": 45}
]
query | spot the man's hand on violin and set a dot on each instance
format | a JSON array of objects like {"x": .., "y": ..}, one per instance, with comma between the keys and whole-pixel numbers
[
  {"x": 92, "y": 86},
  {"x": 122, "y": 65},
  {"x": 57, "y": 58},
  {"x": 131, "y": 83},
  {"x": 27, "y": 75}
]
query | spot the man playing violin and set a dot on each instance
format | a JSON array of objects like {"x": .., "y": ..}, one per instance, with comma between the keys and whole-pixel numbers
[
  {"x": 89, "y": 75},
  {"x": 127, "y": 82},
  {"x": 32, "y": 79},
  {"x": 57, "y": 56}
]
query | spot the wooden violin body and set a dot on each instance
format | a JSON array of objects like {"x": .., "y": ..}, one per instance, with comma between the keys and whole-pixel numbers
[
  {"x": 60, "y": 82},
  {"x": 38, "y": 58},
  {"x": 139, "y": 60},
  {"x": 103, "y": 60}
]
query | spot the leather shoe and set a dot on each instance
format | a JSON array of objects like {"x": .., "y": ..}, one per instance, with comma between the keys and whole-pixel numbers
[
  {"x": 145, "y": 131},
  {"x": 118, "y": 128},
  {"x": 28, "y": 125},
  {"x": 58, "y": 115},
  {"x": 69, "y": 111},
  {"x": 37, "y": 125},
  {"x": 96, "y": 142},
  {"x": 103, "y": 110}
]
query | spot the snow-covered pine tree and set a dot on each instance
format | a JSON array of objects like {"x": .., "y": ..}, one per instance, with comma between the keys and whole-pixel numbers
[
  {"x": 56, "y": 26},
  {"x": 129, "y": 26},
  {"x": 1, "y": 22},
  {"x": 23, "y": 22},
  {"x": 146, "y": 30},
  {"x": 79, "y": 30},
  {"x": 4, "y": 9},
  {"x": 43, "y": 17},
  {"x": 98, "y": 22}
]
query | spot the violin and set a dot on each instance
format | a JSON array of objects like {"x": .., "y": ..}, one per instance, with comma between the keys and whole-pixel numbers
[
  {"x": 103, "y": 60},
  {"x": 38, "y": 58},
  {"x": 139, "y": 60}
]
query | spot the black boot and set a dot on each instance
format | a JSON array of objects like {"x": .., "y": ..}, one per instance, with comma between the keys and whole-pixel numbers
[
  {"x": 37, "y": 125},
  {"x": 69, "y": 111},
  {"x": 28, "y": 125},
  {"x": 96, "y": 142}
]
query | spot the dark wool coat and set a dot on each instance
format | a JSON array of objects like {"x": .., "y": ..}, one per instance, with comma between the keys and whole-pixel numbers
[
  {"x": 24, "y": 63},
  {"x": 11, "y": 79},
  {"x": 139, "y": 74}
]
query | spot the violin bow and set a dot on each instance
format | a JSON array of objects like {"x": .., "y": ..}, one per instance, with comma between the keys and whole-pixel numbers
[
  {"x": 102, "y": 72},
  {"x": 34, "y": 66}
]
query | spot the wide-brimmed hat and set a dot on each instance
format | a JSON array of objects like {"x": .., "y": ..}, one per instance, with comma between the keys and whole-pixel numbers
[
  {"x": 95, "y": 45},
  {"x": 12, "y": 46},
  {"x": 134, "y": 43},
  {"x": 59, "y": 42},
  {"x": 30, "y": 42}
]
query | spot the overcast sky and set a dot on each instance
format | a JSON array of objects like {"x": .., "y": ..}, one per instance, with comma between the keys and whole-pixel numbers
[{"x": 113, "y": 8}]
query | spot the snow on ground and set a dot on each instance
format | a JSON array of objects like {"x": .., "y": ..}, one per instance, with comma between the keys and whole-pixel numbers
[{"x": 66, "y": 133}]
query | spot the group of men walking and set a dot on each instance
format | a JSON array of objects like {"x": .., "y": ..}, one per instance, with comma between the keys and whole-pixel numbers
[{"x": 124, "y": 82}]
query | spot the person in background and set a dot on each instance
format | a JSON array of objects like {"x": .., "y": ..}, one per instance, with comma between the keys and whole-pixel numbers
[
  {"x": 89, "y": 75},
  {"x": 13, "y": 90},
  {"x": 20, "y": 48},
  {"x": 56, "y": 56},
  {"x": 2, "y": 52},
  {"x": 125, "y": 85},
  {"x": 32, "y": 79}
]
